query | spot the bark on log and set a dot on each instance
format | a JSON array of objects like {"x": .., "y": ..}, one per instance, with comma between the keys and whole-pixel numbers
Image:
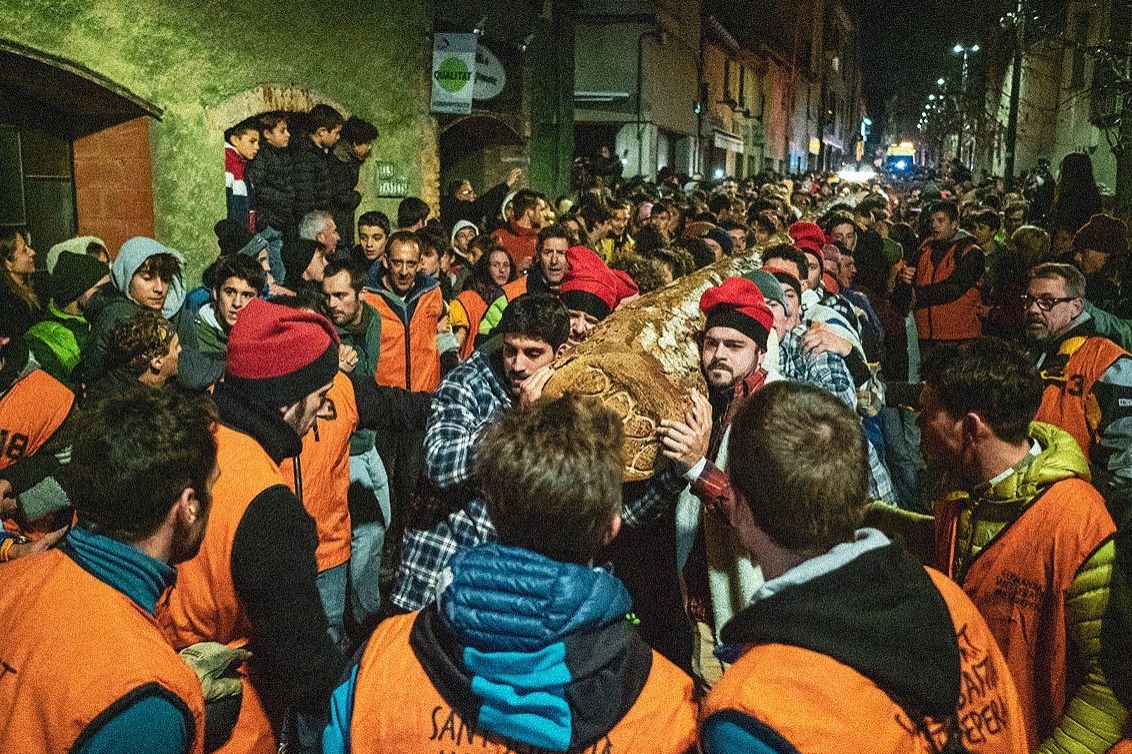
[{"x": 643, "y": 360}]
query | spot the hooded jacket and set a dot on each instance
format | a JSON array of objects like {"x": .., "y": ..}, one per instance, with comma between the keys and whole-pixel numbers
[
  {"x": 132, "y": 255},
  {"x": 861, "y": 640},
  {"x": 521, "y": 649}
]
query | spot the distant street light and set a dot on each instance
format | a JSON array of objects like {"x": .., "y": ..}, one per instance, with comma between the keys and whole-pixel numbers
[
  {"x": 966, "y": 52},
  {"x": 940, "y": 81}
]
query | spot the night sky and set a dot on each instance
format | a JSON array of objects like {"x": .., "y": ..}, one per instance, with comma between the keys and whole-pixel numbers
[{"x": 906, "y": 44}]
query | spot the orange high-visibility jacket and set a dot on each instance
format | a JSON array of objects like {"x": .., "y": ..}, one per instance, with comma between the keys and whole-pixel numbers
[
  {"x": 75, "y": 649},
  {"x": 396, "y": 707},
  {"x": 822, "y": 706}
]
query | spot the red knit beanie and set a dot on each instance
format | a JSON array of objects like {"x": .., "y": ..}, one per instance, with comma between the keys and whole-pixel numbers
[
  {"x": 590, "y": 286},
  {"x": 807, "y": 236},
  {"x": 737, "y": 303},
  {"x": 279, "y": 355}
]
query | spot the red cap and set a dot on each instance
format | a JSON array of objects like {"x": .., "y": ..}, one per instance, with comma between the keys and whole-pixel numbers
[
  {"x": 739, "y": 304},
  {"x": 280, "y": 355},
  {"x": 786, "y": 277},
  {"x": 807, "y": 236},
  {"x": 590, "y": 286}
]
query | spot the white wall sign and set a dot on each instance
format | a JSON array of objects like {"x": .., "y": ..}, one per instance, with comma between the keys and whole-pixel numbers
[
  {"x": 453, "y": 72},
  {"x": 490, "y": 76}
]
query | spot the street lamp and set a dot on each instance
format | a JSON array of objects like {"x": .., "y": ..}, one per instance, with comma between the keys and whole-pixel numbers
[
  {"x": 940, "y": 81},
  {"x": 966, "y": 52}
]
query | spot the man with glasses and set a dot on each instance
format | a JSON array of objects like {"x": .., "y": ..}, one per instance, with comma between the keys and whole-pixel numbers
[{"x": 1088, "y": 378}]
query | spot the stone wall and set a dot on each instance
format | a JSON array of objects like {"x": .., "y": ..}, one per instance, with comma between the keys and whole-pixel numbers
[{"x": 204, "y": 61}]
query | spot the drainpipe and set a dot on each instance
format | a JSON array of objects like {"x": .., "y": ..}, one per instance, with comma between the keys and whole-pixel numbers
[{"x": 640, "y": 88}]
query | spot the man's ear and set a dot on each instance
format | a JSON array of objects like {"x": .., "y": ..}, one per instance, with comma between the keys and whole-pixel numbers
[
  {"x": 562, "y": 350},
  {"x": 611, "y": 530},
  {"x": 188, "y": 506},
  {"x": 155, "y": 364},
  {"x": 288, "y": 411},
  {"x": 973, "y": 426}
]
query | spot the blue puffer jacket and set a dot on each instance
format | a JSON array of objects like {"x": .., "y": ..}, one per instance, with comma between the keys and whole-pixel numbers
[
  {"x": 507, "y": 599},
  {"x": 521, "y": 646}
]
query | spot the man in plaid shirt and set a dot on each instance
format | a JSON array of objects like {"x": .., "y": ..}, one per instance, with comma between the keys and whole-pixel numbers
[{"x": 451, "y": 515}]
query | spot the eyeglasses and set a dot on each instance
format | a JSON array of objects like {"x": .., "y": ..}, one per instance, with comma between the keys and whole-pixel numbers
[{"x": 1045, "y": 304}]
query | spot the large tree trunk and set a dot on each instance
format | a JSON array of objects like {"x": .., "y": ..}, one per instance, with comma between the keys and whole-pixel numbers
[{"x": 644, "y": 360}]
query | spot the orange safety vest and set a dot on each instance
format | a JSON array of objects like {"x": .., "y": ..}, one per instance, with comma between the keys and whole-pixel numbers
[
  {"x": 474, "y": 307},
  {"x": 203, "y": 606},
  {"x": 30, "y": 413},
  {"x": 821, "y": 706},
  {"x": 515, "y": 288},
  {"x": 325, "y": 460},
  {"x": 1019, "y": 582},
  {"x": 1068, "y": 401},
  {"x": 76, "y": 649},
  {"x": 415, "y": 364},
  {"x": 957, "y": 320},
  {"x": 396, "y": 707}
]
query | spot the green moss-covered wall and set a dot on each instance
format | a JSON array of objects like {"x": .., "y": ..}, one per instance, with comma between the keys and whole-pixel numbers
[{"x": 190, "y": 57}]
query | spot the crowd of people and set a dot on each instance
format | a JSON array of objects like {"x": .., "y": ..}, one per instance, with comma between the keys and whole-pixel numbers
[{"x": 317, "y": 501}]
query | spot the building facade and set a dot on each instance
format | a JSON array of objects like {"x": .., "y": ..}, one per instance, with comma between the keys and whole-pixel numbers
[{"x": 114, "y": 111}]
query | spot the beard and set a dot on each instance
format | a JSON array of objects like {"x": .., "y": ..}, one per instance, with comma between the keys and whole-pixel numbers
[
  {"x": 722, "y": 379},
  {"x": 1037, "y": 331}
]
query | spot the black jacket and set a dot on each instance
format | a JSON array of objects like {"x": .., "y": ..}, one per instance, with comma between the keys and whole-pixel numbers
[
  {"x": 274, "y": 199},
  {"x": 310, "y": 176},
  {"x": 478, "y": 212},
  {"x": 344, "y": 169}
]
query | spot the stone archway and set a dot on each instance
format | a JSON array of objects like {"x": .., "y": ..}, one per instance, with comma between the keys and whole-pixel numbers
[
  {"x": 264, "y": 98},
  {"x": 480, "y": 147}
]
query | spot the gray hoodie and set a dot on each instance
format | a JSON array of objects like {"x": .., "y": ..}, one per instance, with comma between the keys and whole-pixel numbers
[{"x": 130, "y": 257}]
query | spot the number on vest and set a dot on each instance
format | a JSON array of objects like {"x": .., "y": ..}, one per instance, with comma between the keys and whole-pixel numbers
[{"x": 12, "y": 444}]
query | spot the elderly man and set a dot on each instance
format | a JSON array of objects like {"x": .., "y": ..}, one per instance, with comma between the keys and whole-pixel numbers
[{"x": 319, "y": 226}]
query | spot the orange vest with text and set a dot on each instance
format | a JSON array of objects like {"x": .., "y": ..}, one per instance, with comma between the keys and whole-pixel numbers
[
  {"x": 76, "y": 650},
  {"x": 30, "y": 413},
  {"x": 1019, "y": 583},
  {"x": 325, "y": 464},
  {"x": 957, "y": 320},
  {"x": 409, "y": 357},
  {"x": 203, "y": 606},
  {"x": 397, "y": 709},
  {"x": 1068, "y": 401},
  {"x": 474, "y": 307},
  {"x": 821, "y": 706}
]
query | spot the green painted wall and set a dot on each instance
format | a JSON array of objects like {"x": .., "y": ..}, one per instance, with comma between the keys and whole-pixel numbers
[{"x": 190, "y": 58}]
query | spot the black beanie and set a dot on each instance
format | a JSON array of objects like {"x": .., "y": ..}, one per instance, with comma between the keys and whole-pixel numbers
[
  {"x": 231, "y": 236},
  {"x": 74, "y": 275},
  {"x": 297, "y": 256}
]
